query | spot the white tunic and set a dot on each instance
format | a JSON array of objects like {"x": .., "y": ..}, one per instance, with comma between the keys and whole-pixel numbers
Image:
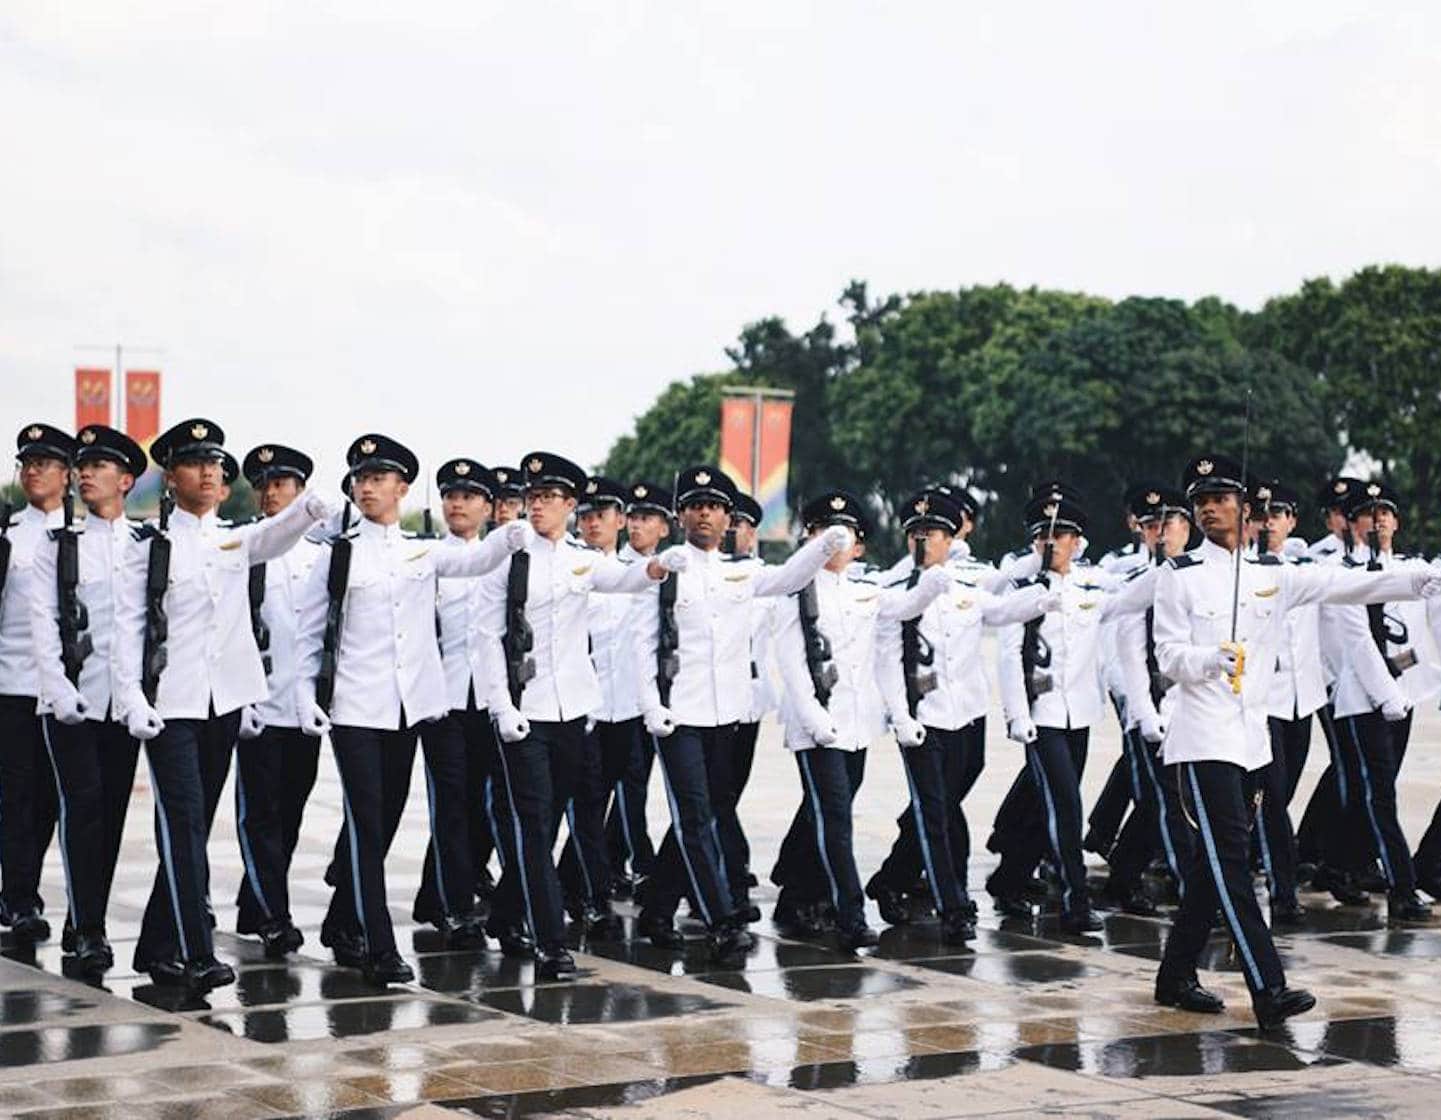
[
  {"x": 285, "y": 579},
  {"x": 17, "y": 653}
]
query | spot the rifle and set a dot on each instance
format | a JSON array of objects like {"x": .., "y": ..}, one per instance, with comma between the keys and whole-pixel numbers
[
  {"x": 75, "y": 644},
  {"x": 1159, "y": 681},
  {"x": 667, "y": 646},
  {"x": 1035, "y": 650},
  {"x": 728, "y": 541},
  {"x": 817, "y": 646},
  {"x": 157, "y": 579},
  {"x": 518, "y": 640},
  {"x": 257, "y": 624},
  {"x": 1376, "y": 612},
  {"x": 337, "y": 580},
  {"x": 916, "y": 652}
]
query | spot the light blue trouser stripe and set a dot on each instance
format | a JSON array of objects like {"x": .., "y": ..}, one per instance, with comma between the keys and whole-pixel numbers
[
  {"x": 516, "y": 832},
  {"x": 1370, "y": 794},
  {"x": 435, "y": 841},
  {"x": 354, "y": 860},
  {"x": 625, "y": 822},
  {"x": 64, "y": 818},
  {"x": 1148, "y": 760},
  {"x": 697, "y": 893},
  {"x": 1266, "y": 847},
  {"x": 1218, "y": 876},
  {"x": 578, "y": 849},
  {"x": 920, "y": 818},
  {"x": 1132, "y": 743},
  {"x": 494, "y": 824},
  {"x": 815, "y": 799},
  {"x": 167, "y": 859},
  {"x": 1053, "y": 829},
  {"x": 247, "y": 855}
]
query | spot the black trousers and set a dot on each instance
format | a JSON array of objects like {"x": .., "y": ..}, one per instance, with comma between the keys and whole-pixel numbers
[
  {"x": 274, "y": 774},
  {"x": 1290, "y": 742},
  {"x": 586, "y": 871},
  {"x": 740, "y": 869},
  {"x": 537, "y": 780},
  {"x": 1427, "y": 860},
  {"x": 1109, "y": 811},
  {"x": 94, "y": 768},
  {"x": 448, "y": 875},
  {"x": 482, "y": 766},
  {"x": 1056, "y": 761},
  {"x": 1156, "y": 824},
  {"x": 1217, "y": 798},
  {"x": 374, "y": 770},
  {"x": 965, "y": 758},
  {"x": 189, "y": 761},
  {"x": 1371, "y": 748},
  {"x": 625, "y": 827},
  {"x": 1320, "y": 837},
  {"x": 935, "y": 772},
  {"x": 698, "y": 767},
  {"x": 27, "y": 806},
  {"x": 817, "y": 861}
]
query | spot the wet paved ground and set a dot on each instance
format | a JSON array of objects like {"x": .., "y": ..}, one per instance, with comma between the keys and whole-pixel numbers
[{"x": 1026, "y": 1020}]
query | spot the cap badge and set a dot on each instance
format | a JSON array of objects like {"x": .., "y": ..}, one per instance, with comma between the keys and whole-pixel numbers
[
  {"x": 838, "y": 503},
  {"x": 462, "y": 468},
  {"x": 1373, "y": 491},
  {"x": 1051, "y": 510},
  {"x": 87, "y": 436},
  {"x": 535, "y": 466},
  {"x": 591, "y": 487},
  {"x": 34, "y": 433},
  {"x": 199, "y": 431},
  {"x": 1153, "y": 498},
  {"x": 367, "y": 447},
  {"x": 702, "y": 478},
  {"x": 265, "y": 454},
  {"x": 502, "y": 476},
  {"x": 1340, "y": 487},
  {"x": 923, "y": 506},
  {"x": 1205, "y": 466},
  {"x": 1263, "y": 493},
  {"x": 641, "y": 491}
]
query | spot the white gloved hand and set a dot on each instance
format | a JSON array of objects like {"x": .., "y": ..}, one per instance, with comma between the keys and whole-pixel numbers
[
  {"x": 1022, "y": 730},
  {"x": 1221, "y": 662},
  {"x": 143, "y": 722},
  {"x": 659, "y": 722},
  {"x": 314, "y": 720},
  {"x": 909, "y": 732},
  {"x": 1394, "y": 711},
  {"x": 251, "y": 725},
  {"x": 1426, "y": 583},
  {"x": 817, "y": 723},
  {"x": 837, "y": 538},
  {"x": 510, "y": 725},
  {"x": 320, "y": 508},
  {"x": 1152, "y": 727},
  {"x": 517, "y": 534},
  {"x": 69, "y": 708},
  {"x": 674, "y": 559},
  {"x": 1049, "y": 600},
  {"x": 936, "y": 581}
]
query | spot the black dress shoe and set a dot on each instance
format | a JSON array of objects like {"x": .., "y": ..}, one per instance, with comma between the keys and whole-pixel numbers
[
  {"x": 1275, "y": 1005},
  {"x": 857, "y": 937},
  {"x": 1431, "y": 887},
  {"x": 205, "y": 973},
  {"x": 67, "y": 936},
  {"x": 893, "y": 907},
  {"x": 464, "y": 931},
  {"x": 799, "y": 920},
  {"x": 514, "y": 941},
  {"x": 165, "y": 974},
  {"x": 958, "y": 928},
  {"x": 1082, "y": 921},
  {"x": 1188, "y": 995},
  {"x": 347, "y": 946},
  {"x": 747, "y": 912},
  {"x": 93, "y": 954},
  {"x": 660, "y": 930},
  {"x": 387, "y": 968},
  {"x": 554, "y": 963},
  {"x": 1133, "y": 899},
  {"x": 1406, "y": 906},
  {"x": 280, "y": 939},
  {"x": 1345, "y": 891},
  {"x": 1013, "y": 906},
  {"x": 604, "y": 925},
  {"x": 729, "y": 942},
  {"x": 1289, "y": 913},
  {"x": 30, "y": 926}
]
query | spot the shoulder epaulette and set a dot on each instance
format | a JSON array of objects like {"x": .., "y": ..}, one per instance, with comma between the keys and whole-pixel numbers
[
  {"x": 1018, "y": 554},
  {"x": 896, "y": 583},
  {"x": 145, "y": 531},
  {"x": 1020, "y": 583},
  {"x": 735, "y": 559},
  {"x": 1185, "y": 560},
  {"x": 1303, "y": 559},
  {"x": 1137, "y": 572},
  {"x": 1270, "y": 560}
]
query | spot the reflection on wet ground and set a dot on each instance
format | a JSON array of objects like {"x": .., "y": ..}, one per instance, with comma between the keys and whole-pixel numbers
[
  {"x": 68, "y": 1044},
  {"x": 595, "y": 1003},
  {"x": 342, "y": 1020}
]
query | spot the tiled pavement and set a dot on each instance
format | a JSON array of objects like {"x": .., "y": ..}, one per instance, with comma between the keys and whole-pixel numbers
[{"x": 1026, "y": 1020}]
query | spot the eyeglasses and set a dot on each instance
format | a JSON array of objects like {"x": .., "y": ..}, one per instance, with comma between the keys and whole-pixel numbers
[{"x": 546, "y": 495}]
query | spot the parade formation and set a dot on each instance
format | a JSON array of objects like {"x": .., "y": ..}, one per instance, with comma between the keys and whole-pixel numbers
[{"x": 553, "y": 647}]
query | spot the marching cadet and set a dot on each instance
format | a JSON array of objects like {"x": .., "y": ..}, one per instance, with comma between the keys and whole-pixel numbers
[
  {"x": 695, "y": 690},
  {"x": 648, "y": 522},
  {"x": 543, "y": 689},
  {"x": 1157, "y": 822},
  {"x": 1332, "y": 499},
  {"x": 928, "y": 665},
  {"x": 1051, "y": 691},
  {"x": 275, "y": 761},
  {"x": 72, "y": 600},
  {"x": 186, "y": 664},
  {"x": 509, "y": 495},
  {"x": 1387, "y": 665},
  {"x": 27, "y": 788},
  {"x": 459, "y": 748},
  {"x": 585, "y": 869},
  {"x": 1219, "y": 622},
  {"x": 831, "y": 711},
  {"x": 371, "y": 674}
]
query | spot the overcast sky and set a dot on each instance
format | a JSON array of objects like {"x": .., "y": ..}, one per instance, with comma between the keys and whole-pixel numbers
[{"x": 486, "y": 228}]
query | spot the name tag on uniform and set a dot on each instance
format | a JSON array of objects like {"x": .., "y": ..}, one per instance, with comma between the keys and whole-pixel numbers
[
  {"x": 229, "y": 546},
  {"x": 1267, "y": 592},
  {"x": 417, "y": 555},
  {"x": 581, "y": 571},
  {"x": 1088, "y": 605}
]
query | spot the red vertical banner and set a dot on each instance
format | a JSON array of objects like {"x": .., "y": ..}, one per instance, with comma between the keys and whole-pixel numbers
[
  {"x": 737, "y": 439},
  {"x": 92, "y": 397},
  {"x": 775, "y": 465},
  {"x": 142, "y": 405}
]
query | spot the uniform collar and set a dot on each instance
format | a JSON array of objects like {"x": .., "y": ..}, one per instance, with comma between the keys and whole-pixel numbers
[
  {"x": 454, "y": 540},
  {"x": 181, "y": 517},
  {"x": 630, "y": 552},
  {"x": 35, "y": 515},
  {"x": 374, "y": 530},
  {"x": 705, "y": 556},
  {"x": 1210, "y": 549}
]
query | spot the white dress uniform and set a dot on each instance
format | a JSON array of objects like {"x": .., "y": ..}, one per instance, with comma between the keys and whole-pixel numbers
[
  {"x": 459, "y": 606},
  {"x": 285, "y": 580},
  {"x": 18, "y": 675}
]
